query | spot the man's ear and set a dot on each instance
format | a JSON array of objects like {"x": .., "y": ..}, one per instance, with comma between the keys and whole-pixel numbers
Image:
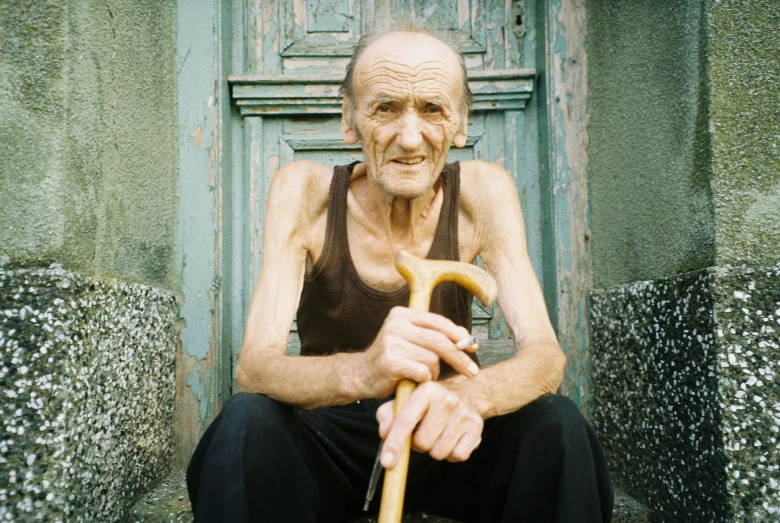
[
  {"x": 347, "y": 129},
  {"x": 460, "y": 138}
]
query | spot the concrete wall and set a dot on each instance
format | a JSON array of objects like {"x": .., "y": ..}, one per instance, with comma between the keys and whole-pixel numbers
[
  {"x": 649, "y": 174},
  {"x": 684, "y": 141},
  {"x": 88, "y": 217},
  {"x": 688, "y": 392},
  {"x": 88, "y": 136},
  {"x": 685, "y": 200},
  {"x": 744, "y": 71}
]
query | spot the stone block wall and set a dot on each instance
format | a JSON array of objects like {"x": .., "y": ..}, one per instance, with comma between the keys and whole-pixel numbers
[
  {"x": 87, "y": 384},
  {"x": 88, "y": 179},
  {"x": 686, "y": 392},
  {"x": 685, "y": 197}
]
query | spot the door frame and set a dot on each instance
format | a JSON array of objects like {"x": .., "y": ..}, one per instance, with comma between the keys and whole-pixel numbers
[{"x": 211, "y": 43}]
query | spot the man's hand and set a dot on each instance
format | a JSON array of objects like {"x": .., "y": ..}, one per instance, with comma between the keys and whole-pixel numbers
[
  {"x": 409, "y": 346},
  {"x": 442, "y": 423}
]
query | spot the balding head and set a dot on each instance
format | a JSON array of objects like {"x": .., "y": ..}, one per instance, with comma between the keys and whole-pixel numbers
[
  {"x": 391, "y": 41},
  {"x": 406, "y": 101}
]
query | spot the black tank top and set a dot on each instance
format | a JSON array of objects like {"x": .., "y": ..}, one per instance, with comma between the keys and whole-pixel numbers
[{"x": 339, "y": 312}]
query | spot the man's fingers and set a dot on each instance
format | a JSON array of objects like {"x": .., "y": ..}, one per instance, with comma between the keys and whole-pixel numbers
[
  {"x": 456, "y": 425},
  {"x": 418, "y": 365},
  {"x": 406, "y": 329},
  {"x": 465, "y": 446},
  {"x": 402, "y": 427},
  {"x": 430, "y": 320},
  {"x": 446, "y": 349},
  {"x": 384, "y": 416},
  {"x": 430, "y": 429},
  {"x": 437, "y": 420}
]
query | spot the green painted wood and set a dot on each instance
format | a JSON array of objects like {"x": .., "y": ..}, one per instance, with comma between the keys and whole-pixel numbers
[
  {"x": 567, "y": 269},
  {"x": 227, "y": 161},
  {"x": 202, "y": 364},
  {"x": 220, "y": 251},
  {"x": 334, "y": 16},
  {"x": 319, "y": 27},
  {"x": 312, "y": 94}
]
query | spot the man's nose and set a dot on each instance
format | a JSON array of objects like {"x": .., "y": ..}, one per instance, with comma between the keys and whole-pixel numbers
[{"x": 410, "y": 133}]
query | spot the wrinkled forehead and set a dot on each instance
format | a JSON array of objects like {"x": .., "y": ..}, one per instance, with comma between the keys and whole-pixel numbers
[{"x": 409, "y": 64}]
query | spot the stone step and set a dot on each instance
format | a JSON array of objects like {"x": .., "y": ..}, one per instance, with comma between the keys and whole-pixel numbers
[{"x": 168, "y": 503}]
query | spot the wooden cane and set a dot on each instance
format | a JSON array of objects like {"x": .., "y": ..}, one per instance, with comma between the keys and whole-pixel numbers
[{"x": 423, "y": 276}]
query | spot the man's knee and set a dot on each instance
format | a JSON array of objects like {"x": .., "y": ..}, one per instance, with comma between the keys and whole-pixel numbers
[
  {"x": 558, "y": 409},
  {"x": 556, "y": 416},
  {"x": 256, "y": 413}
]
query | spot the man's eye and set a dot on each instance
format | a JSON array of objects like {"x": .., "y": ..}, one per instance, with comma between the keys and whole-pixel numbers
[
  {"x": 384, "y": 109},
  {"x": 435, "y": 109}
]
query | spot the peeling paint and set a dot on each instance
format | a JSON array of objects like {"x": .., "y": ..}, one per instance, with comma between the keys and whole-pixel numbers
[
  {"x": 568, "y": 106},
  {"x": 200, "y": 83},
  {"x": 193, "y": 382}
]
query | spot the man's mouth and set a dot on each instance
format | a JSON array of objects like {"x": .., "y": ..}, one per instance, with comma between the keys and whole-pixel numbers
[{"x": 409, "y": 161}]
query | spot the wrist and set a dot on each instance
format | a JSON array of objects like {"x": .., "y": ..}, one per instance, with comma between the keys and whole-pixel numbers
[
  {"x": 470, "y": 393},
  {"x": 351, "y": 376}
]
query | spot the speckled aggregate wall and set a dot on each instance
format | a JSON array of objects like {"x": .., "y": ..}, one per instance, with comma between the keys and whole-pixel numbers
[
  {"x": 686, "y": 392},
  {"x": 86, "y": 393}
]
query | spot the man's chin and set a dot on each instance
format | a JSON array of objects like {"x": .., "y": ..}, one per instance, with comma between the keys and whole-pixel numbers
[
  {"x": 408, "y": 193},
  {"x": 407, "y": 187}
]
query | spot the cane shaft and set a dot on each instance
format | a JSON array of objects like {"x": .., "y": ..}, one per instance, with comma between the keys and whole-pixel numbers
[
  {"x": 423, "y": 276},
  {"x": 391, "y": 508}
]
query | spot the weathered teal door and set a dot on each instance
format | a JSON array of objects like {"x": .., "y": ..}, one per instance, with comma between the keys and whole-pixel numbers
[{"x": 287, "y": 99}]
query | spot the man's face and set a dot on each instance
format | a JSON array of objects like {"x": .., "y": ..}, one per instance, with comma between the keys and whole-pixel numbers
[{"x": 407, "y": 90}]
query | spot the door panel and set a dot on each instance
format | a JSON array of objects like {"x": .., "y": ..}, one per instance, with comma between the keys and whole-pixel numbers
[{"x": 291, "y": 111}]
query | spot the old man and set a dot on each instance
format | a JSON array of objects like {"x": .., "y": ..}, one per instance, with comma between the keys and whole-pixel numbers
[{"x": 494, "y": 444}]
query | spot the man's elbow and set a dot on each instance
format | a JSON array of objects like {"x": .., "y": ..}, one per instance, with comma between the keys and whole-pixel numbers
[
  {"x": 242, "y": 376},
  {"x": 557, "y": 366},
  {"x": 256, "y": 367},
  {"x": 247, "y": 371}
]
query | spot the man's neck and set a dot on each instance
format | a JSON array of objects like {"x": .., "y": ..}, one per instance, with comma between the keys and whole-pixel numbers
[{"x": 401, "y": 220}]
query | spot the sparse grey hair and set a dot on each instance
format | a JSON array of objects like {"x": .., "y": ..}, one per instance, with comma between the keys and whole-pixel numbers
[{"x": 402, "y": 26}]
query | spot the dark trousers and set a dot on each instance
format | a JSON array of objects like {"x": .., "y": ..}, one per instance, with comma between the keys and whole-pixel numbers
[{"x": 263, "y": 461}]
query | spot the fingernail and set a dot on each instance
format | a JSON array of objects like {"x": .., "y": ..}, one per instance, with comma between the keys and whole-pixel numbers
[
  {"x": 387, "y": 459},
  {"x": 473, "y": 368}
]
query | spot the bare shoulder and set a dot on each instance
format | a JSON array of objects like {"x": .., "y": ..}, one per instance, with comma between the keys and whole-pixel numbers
[
  {"x": 485, "y": 187},
  {"x": 489, "y": 209},
  {"x": 301, "y": 188}
]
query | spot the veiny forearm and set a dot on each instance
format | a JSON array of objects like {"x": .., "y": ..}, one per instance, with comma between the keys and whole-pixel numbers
[
  {"x": 303, "y": 381},
  {"x": 535, "y": 370}
]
